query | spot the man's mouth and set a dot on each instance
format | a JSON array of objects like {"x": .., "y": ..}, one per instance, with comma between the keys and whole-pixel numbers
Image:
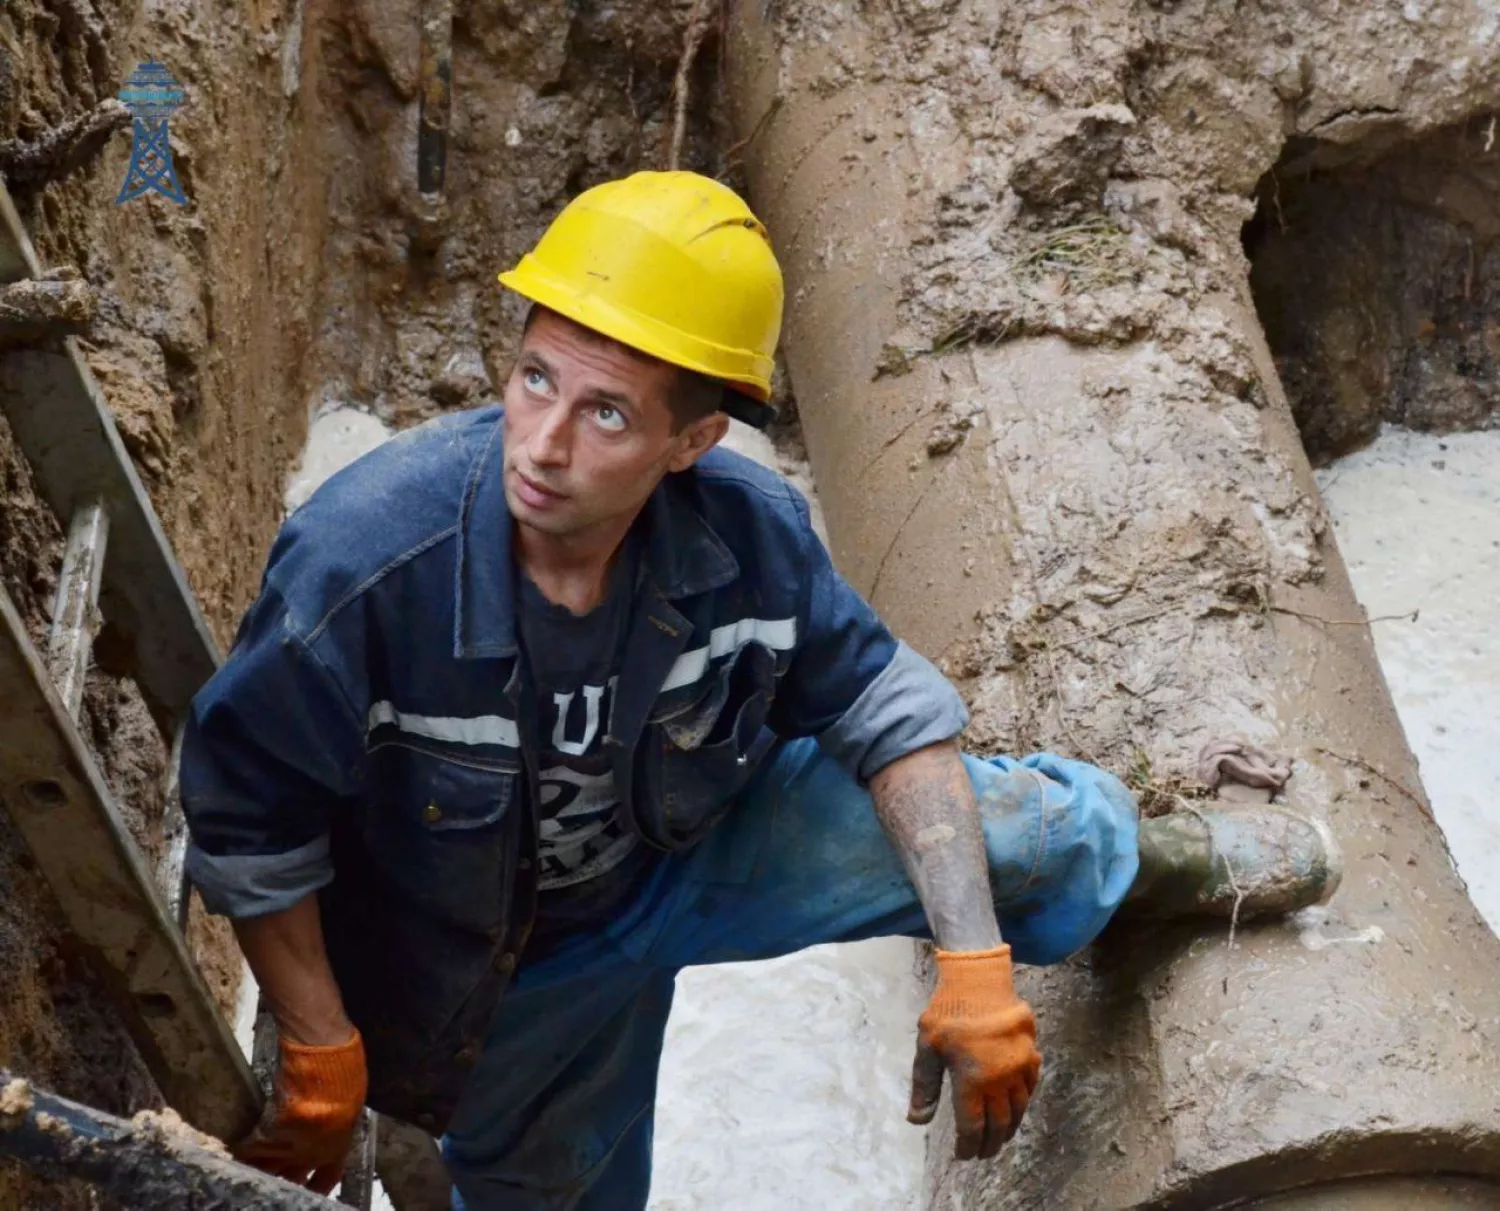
[{"x": 535, "y": 494}]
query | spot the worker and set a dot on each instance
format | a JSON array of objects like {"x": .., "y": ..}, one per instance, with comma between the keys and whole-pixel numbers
[{"x": 540, "y": 704}]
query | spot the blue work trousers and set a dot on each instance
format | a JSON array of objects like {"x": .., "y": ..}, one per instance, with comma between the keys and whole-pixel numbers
[{"x": 558, "y": 1113}]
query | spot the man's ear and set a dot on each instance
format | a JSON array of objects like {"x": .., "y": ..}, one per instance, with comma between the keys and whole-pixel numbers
[{"x": 697, "y": 439}]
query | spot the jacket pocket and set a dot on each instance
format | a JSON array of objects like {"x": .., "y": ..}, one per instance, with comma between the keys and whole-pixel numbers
[
  {"x": 446, "y": 835},
  {"x": 697, "y": 761}
]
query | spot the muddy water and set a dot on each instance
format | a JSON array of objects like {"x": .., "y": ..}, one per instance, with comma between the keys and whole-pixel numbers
[
  {"x": 1418, "y": 521},
  {"x": 784, "y": 1083}
]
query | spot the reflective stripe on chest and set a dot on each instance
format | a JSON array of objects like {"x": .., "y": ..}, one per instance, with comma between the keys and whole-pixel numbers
[{"x": 386, "y": 723}]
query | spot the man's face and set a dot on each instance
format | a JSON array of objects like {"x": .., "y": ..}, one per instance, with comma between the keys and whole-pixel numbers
[{"x": 588, "y": 430}]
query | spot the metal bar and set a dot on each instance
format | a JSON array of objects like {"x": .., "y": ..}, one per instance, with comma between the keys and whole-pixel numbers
[
  {"x": 18, "y": 258},
  {"x": 63, "y": 810},
  {"x": 171, "y": 868},
  {"x": 75, "y": 613},
  {"x": 66, "y": 431},
  {"x": 148, "y": 1161},
  {"x": 435, "y": 67},
  {"x": 265, "y": 1047},
  {"x": 357, "y": 1188}
]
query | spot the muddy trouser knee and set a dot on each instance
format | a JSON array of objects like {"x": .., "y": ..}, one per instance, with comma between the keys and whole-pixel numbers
[{"x": 558, "y": 1114}]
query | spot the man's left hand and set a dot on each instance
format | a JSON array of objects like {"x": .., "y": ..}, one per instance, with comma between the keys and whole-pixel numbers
[
  {"x": 984, "y": 1036},
  {"x": 310, "y": 1122}
]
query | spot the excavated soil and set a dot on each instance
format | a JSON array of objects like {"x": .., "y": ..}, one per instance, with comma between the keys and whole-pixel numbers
[
  {"x": 1054, "y": 451},
  {"x": 197, "y": 360},
  {"x": 303, "y": 270},
  {"x": 306, "y": 272},
  {"x": 549, "y": 98}
]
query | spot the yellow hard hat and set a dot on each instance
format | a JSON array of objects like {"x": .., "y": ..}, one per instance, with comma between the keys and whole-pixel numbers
[{"x": 671, "y": 263}]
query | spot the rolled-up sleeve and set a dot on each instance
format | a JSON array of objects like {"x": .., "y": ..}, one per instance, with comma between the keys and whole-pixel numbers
[
  {"x": 868, "y": 697},
  {"x": 908, "y": 706},
  {"x": 271, "y": 747}
]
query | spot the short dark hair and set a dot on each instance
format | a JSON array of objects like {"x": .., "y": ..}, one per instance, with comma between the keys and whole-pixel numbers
[{"x": 693, "y": 395}]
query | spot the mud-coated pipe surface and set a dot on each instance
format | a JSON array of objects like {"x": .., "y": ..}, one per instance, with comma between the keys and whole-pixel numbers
[
  {"x": 143, "y": 1163},
  {"x": 1053, "y": 450}
]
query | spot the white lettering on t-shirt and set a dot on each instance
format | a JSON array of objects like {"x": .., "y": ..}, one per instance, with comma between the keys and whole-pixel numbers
[{"x": 592, "y": 694}]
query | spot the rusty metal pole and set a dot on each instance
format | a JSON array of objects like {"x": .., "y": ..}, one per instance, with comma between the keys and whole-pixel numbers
[
  {"x": 357, "y": 1189},
  {"x": 436, "y": 92},
  {"x": 429, "y": 220}
]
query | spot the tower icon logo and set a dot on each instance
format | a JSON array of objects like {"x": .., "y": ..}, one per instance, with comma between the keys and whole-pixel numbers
[{"x": 152, "y": 96}]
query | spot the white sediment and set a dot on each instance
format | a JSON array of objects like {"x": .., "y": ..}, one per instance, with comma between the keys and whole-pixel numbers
[{"x": 1418, "y": 521}]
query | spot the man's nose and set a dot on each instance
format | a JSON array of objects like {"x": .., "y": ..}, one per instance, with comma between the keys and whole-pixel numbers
[{"x": 551, "y": 443}]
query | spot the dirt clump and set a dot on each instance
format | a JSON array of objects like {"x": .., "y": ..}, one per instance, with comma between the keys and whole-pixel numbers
[
  {"x": 1376, "y": 272},
  {"x": 15, "y": 1098},
  {"x": 168, "y": 1127}
]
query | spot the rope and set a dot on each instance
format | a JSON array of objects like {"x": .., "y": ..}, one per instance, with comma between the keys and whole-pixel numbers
[
  {"x": 698, "y": 22},
  {"x": 1234, "y": 883}
]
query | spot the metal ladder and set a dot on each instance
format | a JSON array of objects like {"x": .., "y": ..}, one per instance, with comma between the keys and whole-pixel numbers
[{"x": 117, "y": 564}]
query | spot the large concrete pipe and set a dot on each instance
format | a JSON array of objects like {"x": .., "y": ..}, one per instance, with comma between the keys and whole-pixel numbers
[{"x": 1052, "y": 448}]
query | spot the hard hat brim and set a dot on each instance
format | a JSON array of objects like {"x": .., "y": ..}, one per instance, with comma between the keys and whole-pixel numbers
[{"x": 741, "y": 369}]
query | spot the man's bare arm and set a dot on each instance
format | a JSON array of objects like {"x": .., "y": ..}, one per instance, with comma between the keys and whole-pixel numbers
[
  {"x": 927, "y": 807},
  {"x": 975, "y": 1028},
  {"x": 285, "y": 951}
]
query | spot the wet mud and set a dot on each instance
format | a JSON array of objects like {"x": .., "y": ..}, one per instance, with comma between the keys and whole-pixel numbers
[
  {"x": 1054, "y": 449},
  {"x": 1052, "y": 442}
]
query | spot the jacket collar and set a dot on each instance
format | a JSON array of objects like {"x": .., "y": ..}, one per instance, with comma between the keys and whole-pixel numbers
[{"x": 683, "y": 554}]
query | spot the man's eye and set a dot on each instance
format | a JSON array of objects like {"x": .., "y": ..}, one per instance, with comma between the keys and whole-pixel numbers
[
  {"x": 609, "y": 418},
  {"x": 535, "y": 380}
]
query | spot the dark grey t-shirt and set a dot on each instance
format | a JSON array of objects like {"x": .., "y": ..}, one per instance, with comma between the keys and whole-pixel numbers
[{"x": 589, "y": 856}]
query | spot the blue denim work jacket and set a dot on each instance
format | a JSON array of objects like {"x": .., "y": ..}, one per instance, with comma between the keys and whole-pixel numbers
[{"x": 365, "y": 738}]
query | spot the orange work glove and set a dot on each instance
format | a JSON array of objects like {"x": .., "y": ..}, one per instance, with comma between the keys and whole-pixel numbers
[
  {"x": 985, "y": 1036},
  {"x": 305, "y": 1134}
]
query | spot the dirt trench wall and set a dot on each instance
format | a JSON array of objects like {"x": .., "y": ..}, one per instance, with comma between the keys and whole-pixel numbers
[
  {"x": 1053, "y": 448},
  {"x": 301, "y": 271},
  {"x": 201, "y": 321},
  {"x": 1376, "y": 272},
  {"x": 548, "y": 99}
]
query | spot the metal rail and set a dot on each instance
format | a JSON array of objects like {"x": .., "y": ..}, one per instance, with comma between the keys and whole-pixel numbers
[
  {"x": 435, "y": 107},
  {"x": 117, "y": 563},
  {"x": 61, "y": 806},
  {"x": 67, "y": 433},
  {"x": 75, "y": 614}
]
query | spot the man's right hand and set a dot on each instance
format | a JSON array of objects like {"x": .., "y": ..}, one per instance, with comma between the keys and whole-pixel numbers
[
  {"x": 306, "y": 1132},
  {"x": 984, "y": 1036}
]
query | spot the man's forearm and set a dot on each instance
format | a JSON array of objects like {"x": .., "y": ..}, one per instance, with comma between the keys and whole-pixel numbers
[
  {"x": 285, "y": 951},
  {"x": 927, "y": 807}
]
